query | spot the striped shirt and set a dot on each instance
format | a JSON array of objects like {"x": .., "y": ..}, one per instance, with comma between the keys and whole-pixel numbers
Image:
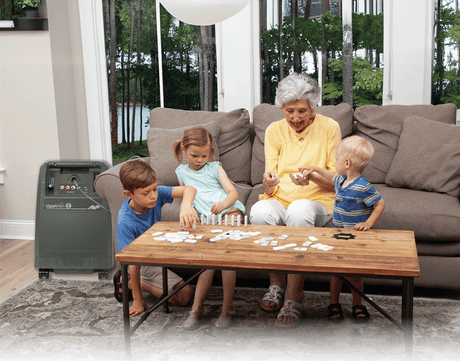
[{"x": 354, "y": 203}]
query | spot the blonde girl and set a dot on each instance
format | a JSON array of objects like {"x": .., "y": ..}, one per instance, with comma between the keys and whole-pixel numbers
[{"x": 215, "y": 195}]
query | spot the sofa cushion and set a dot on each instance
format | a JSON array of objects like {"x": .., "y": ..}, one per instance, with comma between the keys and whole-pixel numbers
[
  {"x": 162, "y": 158},
  {"x": 233, "y": 142},
  {"x": 382, "y": 126},
  {"x": 434, "y": 217},
  {"x": 428, "y": 157},
  {"x": 265, "y": 114}
]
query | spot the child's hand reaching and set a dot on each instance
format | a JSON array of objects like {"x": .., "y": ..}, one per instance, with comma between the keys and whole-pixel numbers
[
  {"x": 216, "y": 208},
  {"x": 362, "y": 227}
]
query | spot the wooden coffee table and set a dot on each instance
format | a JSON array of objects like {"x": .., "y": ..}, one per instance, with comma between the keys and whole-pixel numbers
[{"x": 372, "y": 254}]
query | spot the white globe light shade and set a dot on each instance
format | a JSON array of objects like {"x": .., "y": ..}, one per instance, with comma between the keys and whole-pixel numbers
[{"x": 203, "y": 12}]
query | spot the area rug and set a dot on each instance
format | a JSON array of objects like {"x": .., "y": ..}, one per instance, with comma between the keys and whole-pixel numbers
[{"x": 80, "y": 320}]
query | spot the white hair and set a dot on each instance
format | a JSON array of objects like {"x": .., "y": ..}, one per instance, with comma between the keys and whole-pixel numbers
[{"x": 297, "y": 87}]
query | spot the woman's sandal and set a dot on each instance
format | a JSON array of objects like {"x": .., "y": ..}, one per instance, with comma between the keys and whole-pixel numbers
[
  {"x": 291, "y": 309},
  {"x": 335, "y": 312},
  {"x": 360, "y": 313},
  {"x": 192, "y": 322},
  {"x": 275, "y": 294},
  {"x": 223, "y": 321},
  {"x": 118, "y": 288}
]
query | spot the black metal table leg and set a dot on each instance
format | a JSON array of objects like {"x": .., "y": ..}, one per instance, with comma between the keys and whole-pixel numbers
[
  {"x": 126, "y": 321},
  {"x": 408, "y": 315},
  {"x": 165, "y": 289}
]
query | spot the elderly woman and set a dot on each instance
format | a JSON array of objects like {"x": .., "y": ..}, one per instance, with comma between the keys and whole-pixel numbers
[{"x": 302, "y": 138}]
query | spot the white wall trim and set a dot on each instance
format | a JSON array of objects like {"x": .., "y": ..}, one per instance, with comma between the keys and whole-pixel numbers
[
  {"x": 408, "y": 59},
  {"x": 16, "y": 229},
  {"x": 96, "y": 88},
  {"x": 238, "y": 60}
]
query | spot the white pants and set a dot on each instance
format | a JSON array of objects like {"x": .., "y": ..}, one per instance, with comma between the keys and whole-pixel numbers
[{"x": 300, "y": 213}]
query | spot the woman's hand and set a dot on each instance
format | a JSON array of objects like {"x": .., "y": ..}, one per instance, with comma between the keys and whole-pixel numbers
[
  {"x": 269, "y": 182},
  {"x": 303, "y": 178}
]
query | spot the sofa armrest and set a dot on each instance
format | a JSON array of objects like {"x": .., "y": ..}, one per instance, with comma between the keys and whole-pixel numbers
[{"x": 108, "y": 186}]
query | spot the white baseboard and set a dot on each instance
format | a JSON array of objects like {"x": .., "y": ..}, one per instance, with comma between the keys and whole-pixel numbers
[{"x": 12, "y": 229}]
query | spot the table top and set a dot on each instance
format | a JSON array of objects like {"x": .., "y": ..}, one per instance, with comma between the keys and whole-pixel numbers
[{"x": 387, "y": 253}]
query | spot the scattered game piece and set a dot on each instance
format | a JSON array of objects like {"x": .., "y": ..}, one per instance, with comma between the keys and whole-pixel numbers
[
  {"x": 284, "y": 236},
  {"x": 303, "y": 249},
  {"x": 290, "y": 245},
  {"x": 313, "y": 238},
  {"x": 156, "y": 234}
]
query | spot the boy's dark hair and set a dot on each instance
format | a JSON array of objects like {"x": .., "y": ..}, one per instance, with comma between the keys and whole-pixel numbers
[{"x": 136, "y": 174}]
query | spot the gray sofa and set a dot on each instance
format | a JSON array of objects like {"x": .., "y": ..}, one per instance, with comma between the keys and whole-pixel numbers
[{"x": 416, "y": 168}]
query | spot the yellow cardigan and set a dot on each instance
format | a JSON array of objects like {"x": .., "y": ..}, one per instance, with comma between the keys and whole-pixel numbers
[{"x": 285, "y": 153}]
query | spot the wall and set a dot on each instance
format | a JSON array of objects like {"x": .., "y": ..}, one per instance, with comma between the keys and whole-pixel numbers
[
  {"x": 28, "y": 125},
  {"x": 53, "y": 104}
]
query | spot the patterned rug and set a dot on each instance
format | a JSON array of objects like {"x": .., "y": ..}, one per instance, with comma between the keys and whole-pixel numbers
[{"x": 80, "y": 320}]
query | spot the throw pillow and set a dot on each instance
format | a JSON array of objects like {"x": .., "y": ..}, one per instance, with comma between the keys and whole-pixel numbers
[
  {"x": 233, "y": 142},
  {"x": 428, "y": 157},
  {"x": 162, "y": 158},
  {"x": 382, "y": 126}
]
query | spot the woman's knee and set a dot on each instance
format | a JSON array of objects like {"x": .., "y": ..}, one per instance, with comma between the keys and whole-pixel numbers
[
  {"x": 264, "y": 213},
  {"x": 306, "y": 213}
]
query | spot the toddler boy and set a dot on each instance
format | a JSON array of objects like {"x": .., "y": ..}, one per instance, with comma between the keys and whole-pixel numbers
[{"x": 357, "y": 205}]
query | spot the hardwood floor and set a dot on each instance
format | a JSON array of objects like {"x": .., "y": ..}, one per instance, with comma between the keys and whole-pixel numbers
[
  {"x": 16, "y": 265},
  {"x": 17, "y": 258}
]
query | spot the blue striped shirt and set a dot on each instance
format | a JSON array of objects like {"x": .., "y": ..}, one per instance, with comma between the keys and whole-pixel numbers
[{"x": 354, "y": 203}]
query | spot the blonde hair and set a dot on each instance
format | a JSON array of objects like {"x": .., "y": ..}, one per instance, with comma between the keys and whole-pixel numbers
[
  {"x": 197, "y": 136},
  {"x": 357, "y": 149}
]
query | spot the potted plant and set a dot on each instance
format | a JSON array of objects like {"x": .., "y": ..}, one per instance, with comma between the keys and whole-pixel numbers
[{"x": 27, "y": 15}]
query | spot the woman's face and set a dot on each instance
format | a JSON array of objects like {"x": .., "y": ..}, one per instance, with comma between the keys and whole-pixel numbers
[{"x": 298, "y": 114}]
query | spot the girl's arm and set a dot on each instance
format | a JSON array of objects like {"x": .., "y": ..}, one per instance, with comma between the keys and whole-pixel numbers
[
  {"x": 188, "y": 215},
  {"x": 232, "y": 193}
]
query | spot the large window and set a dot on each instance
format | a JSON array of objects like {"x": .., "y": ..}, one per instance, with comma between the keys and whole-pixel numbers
[
  {"x": 189, "y": 69},
  {"x": 307, "y": 36},
  {"x": 446, "y": 69}
]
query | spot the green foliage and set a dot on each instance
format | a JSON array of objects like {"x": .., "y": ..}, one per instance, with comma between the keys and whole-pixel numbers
[
  {"x": 123, "y": 152},
  {"x": 446, "y": 74},
  {"x": 367, "y": 80},
  {"x": 367, "y": 34}
]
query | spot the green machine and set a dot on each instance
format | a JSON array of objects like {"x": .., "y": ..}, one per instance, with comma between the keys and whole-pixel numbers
[{"x": 73, "y": 230}]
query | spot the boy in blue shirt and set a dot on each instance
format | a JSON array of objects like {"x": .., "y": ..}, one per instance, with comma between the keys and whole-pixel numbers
[
  {"x": 137, "y": 214},
  {"x": 357, "y": 205}
]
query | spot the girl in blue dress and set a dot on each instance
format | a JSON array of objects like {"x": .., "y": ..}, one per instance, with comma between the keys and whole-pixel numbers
[{"x": 215, "y": 195}]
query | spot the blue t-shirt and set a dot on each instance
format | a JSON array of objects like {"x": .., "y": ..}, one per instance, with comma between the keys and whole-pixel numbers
[
  {"x": 207, "y": 184},
  {"x": 354, "y": 203},
  {"x": 131, "y": 225}
]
